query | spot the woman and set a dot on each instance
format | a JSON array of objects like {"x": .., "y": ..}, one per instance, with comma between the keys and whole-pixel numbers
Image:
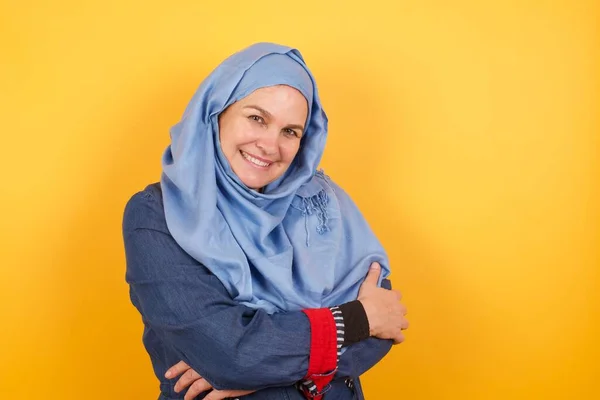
[{"x": 248, "y": 265}]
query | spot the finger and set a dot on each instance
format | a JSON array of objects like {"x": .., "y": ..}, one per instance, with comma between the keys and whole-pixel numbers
[
  {"x": 373, "y": 274},
  {"x": 224, "y": 394},
  {"x": 201, "y": 385},
  {"x": 186, "y": 380},
  {"x": 399, "y": 338},
  {"x": 176, "y": 370},
  {"x": 218, "y": 395},
  {"x": 403, "y": 308},
  {"x": 404, "y": 324}
]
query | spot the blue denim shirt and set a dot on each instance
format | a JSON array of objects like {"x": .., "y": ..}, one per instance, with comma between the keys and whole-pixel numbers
[{"x": 188, "y": 315}]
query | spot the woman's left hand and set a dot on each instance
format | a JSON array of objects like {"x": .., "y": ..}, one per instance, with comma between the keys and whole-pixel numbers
[{"x": 197, "y": 384}]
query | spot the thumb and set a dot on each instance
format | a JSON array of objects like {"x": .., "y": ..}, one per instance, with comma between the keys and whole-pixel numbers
[{"x": 373, "y": 274}]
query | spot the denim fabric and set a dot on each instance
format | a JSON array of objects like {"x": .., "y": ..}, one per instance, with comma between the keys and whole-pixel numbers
[
  {"x": 338, "y": 391},
  {"x": 189, "y": 315}
]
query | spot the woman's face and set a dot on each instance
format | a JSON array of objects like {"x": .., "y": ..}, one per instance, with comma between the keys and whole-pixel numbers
[{"x": 260, "y": 134}]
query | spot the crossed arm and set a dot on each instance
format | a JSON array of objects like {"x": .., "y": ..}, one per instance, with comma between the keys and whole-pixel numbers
[{"x": 230, "y": 345}]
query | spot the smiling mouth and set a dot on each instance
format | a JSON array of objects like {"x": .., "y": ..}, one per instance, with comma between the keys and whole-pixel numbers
[{"x": 255, "y": 161}]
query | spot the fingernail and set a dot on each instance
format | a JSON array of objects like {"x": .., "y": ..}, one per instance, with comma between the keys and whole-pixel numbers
[
  {"x": 374, "y": 266},
  {"x": 168, "y": 374}
]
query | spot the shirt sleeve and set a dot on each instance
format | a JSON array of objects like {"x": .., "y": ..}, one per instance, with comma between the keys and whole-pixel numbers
[
  {"x": 232, "y": 346},
  {"x": 362, "y": 356},
  {"x": 361, "y": 353}
]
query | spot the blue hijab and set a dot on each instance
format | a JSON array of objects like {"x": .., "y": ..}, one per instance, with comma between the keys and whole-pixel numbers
[{"x": 301, "y": 243}]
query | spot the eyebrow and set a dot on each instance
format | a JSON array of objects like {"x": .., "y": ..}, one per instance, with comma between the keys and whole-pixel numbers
[{"x": 267, "y": 114}]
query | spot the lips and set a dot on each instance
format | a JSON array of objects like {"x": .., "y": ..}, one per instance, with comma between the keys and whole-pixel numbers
[{"x": 256, "y": 161}]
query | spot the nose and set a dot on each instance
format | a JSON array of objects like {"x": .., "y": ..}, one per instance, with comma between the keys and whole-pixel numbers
[{"x": 268, "y": 141}]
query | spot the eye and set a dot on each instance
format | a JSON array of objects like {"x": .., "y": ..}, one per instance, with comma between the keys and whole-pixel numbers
[
  {"x": 291, "y": 132},
  {"x": 257, "y": 118}
]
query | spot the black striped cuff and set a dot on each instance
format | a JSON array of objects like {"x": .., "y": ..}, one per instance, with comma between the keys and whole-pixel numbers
[{"x": 355, "y": 321}]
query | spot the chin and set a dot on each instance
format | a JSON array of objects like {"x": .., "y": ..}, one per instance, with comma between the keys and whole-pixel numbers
[{"x": 255, "y": 184}]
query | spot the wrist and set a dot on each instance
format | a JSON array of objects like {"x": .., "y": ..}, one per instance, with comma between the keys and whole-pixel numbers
[{"x": 369, "y": 314}]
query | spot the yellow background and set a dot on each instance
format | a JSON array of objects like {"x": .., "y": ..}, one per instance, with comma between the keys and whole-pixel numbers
[{"x": 467, "y": 132}]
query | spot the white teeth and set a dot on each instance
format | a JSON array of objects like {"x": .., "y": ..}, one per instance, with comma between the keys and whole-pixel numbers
[{"x": 254, "y": 160}]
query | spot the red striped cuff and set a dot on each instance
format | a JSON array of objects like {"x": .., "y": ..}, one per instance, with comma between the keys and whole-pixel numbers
[{"x": 322, "y": 361}]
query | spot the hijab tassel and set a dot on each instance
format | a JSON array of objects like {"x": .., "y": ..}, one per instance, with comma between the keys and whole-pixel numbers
[{"x": 316, "y": 204}]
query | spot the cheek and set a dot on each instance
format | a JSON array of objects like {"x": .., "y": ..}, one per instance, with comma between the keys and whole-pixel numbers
[
  {"x": 225, "y": 135},
  {"x": 289, "y": 151},
  {"x": 245, "y": 133},
  {"x": 234, "y": 135}
]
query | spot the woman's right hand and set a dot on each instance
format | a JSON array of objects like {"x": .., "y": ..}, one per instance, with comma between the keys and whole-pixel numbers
[
  {"x": 384, "y": 311},
  {"x": 198, "y": 385}
]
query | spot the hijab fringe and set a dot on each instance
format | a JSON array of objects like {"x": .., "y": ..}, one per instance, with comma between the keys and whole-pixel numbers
[{"x": 316, "y": 204}]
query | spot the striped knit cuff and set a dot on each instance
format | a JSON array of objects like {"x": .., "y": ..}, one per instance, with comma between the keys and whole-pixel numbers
[
  {"x": 340, "y": 327},
  {"x": 355, "y": 321},
  {"x": 338, "y": 317},
  {"x": 323, "y": 358}
]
